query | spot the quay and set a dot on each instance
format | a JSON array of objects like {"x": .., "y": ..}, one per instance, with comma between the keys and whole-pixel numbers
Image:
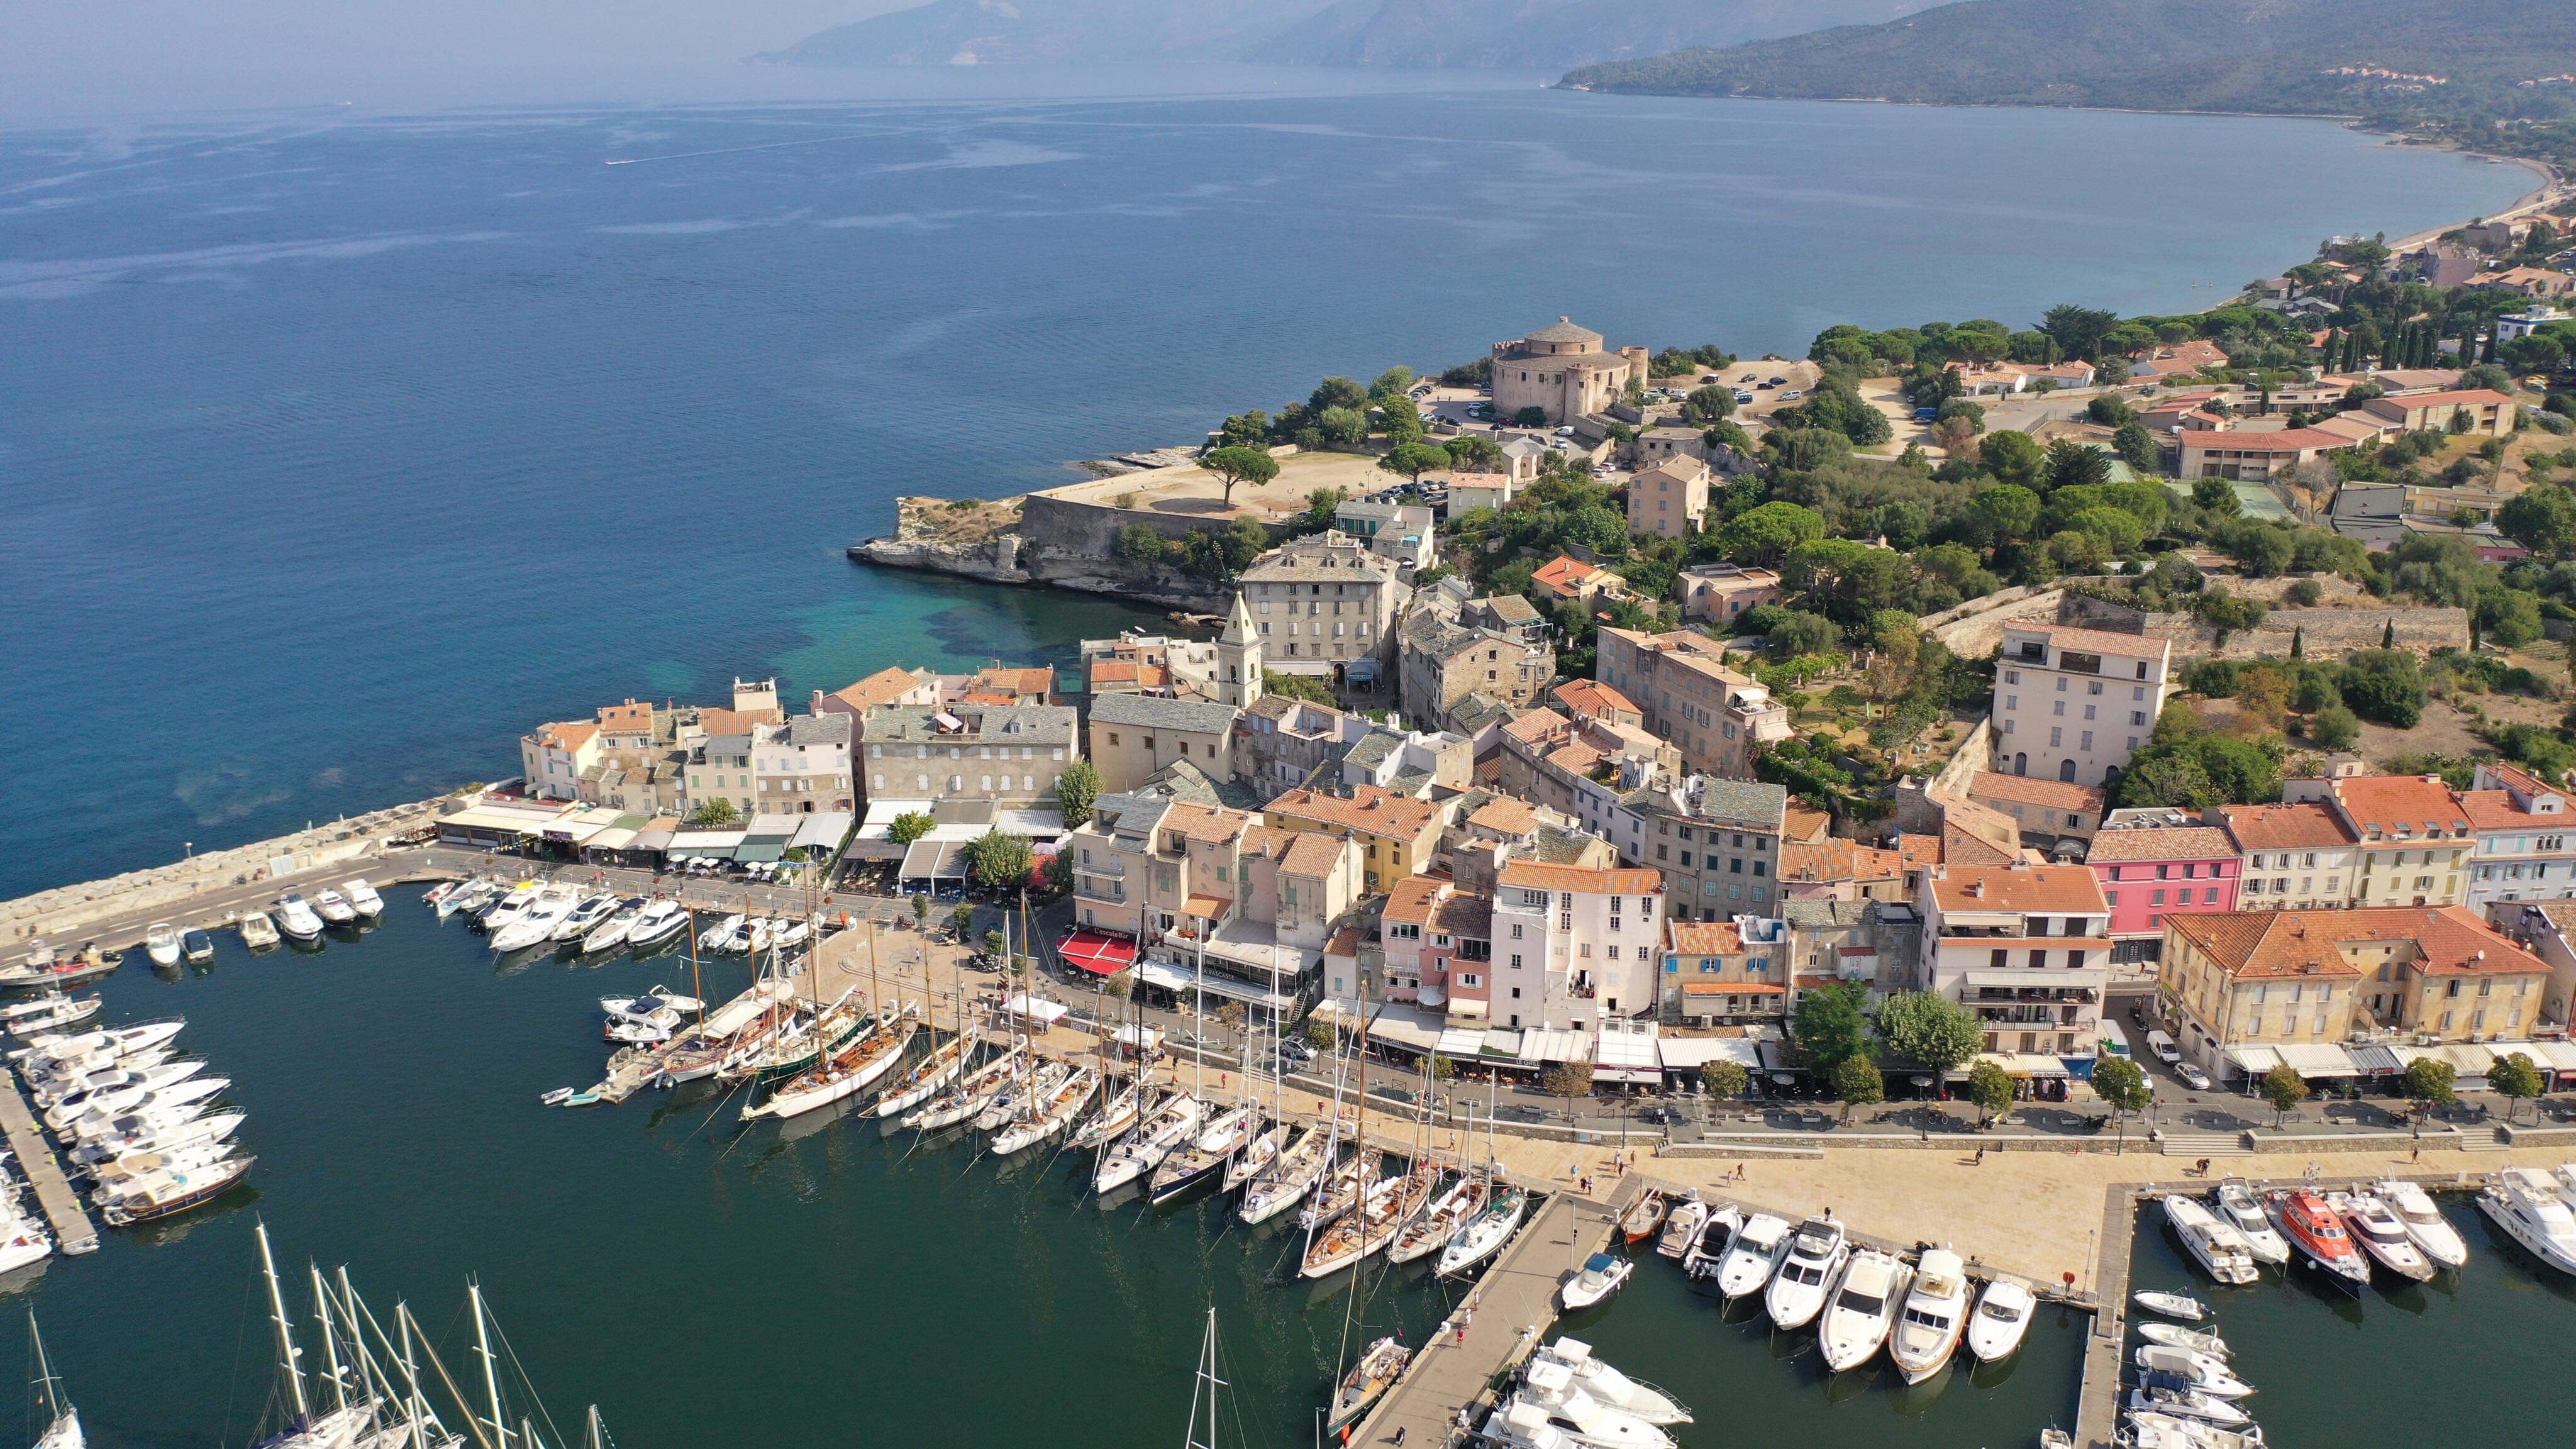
[{"x": 73, "y": 1232}]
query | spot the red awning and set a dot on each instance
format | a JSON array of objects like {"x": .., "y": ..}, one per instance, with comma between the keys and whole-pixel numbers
[{"x": 1098, "y": 952}]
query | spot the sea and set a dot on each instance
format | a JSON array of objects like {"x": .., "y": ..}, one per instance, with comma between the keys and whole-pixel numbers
[{"x": 340, "y": 446}]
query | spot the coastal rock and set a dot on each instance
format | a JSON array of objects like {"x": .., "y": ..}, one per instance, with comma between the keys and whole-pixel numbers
[{"x": 979, "y": 540}]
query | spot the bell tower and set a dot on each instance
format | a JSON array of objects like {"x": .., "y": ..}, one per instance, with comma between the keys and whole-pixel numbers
[{"x": 1238, "y": 657}]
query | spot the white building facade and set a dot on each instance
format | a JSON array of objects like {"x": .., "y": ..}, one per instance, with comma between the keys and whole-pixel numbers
[
  {"x": 2074, "y": 704},
  {"x": 2026, "y": 948},
  {"x": 1574, "y": 946}
]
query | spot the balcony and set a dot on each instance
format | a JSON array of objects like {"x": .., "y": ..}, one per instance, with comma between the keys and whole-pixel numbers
[{"x": 1112, "y": 895}]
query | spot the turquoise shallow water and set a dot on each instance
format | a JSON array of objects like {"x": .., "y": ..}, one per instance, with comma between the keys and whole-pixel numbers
[{"x": 335, "y": 452}]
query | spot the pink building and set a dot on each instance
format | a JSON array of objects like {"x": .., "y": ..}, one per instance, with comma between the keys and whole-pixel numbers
[
  {"x": 2151, "y": 872},
  {"x": 1438, "y": 941}
]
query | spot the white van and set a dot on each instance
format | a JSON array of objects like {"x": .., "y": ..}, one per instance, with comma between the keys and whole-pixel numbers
[{"x": 2164, "y": 1048}]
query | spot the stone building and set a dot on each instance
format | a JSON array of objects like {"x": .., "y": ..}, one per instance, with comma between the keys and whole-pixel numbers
[
  {"x": 2073, "y": 704},
  {"x": 1670, "y": 499},
  {"x": 1563, "y": 371},
  {"x": 1439, "y": 662},
  {"x": 1713, "y": 714},
  {"x": 1716, "y": 842},
  {"x": 1325, "y": 606},
  {"x": 1134, "y": 735},
  {"x": 1007, "y": 754}
]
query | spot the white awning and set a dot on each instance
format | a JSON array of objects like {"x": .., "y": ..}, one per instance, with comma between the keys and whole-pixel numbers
[
  {"x": 1132, "y": 1035},
  {"x": 612, "y": 839},
  {"x": 2026, "y": 1064},
  {"x": 1690, "y": 1053},
  {"x": 1555, "y": 1046},
  {"x": 717, "y": 843},
  {"x": 821, "y": 832},
  {"x": 2253, "y": 1061},
  {"x": 1468, "y": 1006},
  {"x": 2318, "y": 1059},
  {"x": 2468, "y": 1059},
  {"x": 1459, "y": 1042},
  {"x": 1044, "y": 1013},
  {"x": 2549, "y": 1056},
  {"x": 1171, "y": 978},
  {"x": 1432, "y": 996}
]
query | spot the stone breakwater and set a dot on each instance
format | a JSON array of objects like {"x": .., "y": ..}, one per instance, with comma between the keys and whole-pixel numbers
[{"x": 65, "y": 912}]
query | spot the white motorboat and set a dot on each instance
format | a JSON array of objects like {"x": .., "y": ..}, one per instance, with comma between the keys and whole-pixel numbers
[
  {"x": 651, "y": 1004},
  {"x": 334, "y": 907},
  {"x": 2206, "y": 1373},
  {"x": 2167, "y": 1395},
  {"x": 48, "y": 1015},
  {"x": 628, "y": 1031},
  {"x": 2172, "y": 1305},
  {"x": 1590, "y": 1421},
  {"x": 460, "y": 895},
  {"x": 757, "y": 932},
  {"x": 659, "y": 921},
  {"x": 1300, "y": 1166},
  {"x": 1817, "y": 1252},
  {"x": 196, "y": 947},
  {"x": 1862, "y": 1308},
  {"x": 2145, "y": 1430},
  {"x": 789, "y": 934},
  {"x": 611, "y": 933},
  {"x": 2381, "y": 1234},
  {"x": 1144, "y": 1149},
  {"x": 210, "y": 1127},
  {"x": 1681, "y": 1227},
  {"x": 2432, "y": 1233},
  {"x": 1934, "y": 1315},
  {"x": 1752, "y": 1255},
  {"x": 258, "y": 932},
  {"x": 64, "y": 1078},
  {"x": 535, "y": 924},
  {"x": 48, "y": 1054},
  {"x": 2220, "y": 1250},
  {"x": 2525, "y": 1206},
  {"x": 362, "y": 897},
  {"x": 296, "y": 919},
  {"x": 2243, "y": 1211},
  {"x": 146, "y": 1076},
  {"x": 1708, "y": 1249},
  {"x": 1600, "y": 1276},
  {"x": 148, "y": 1123},
  {"x": 587, "y": 915},
  {"x": 95, "y": 1113},
  {"x": 724, "y": 936},
  {"x": 161, "y": 1194},
  {"x": 1517, "y": 1425},
  {"x": 1612, "y": 1387},
  {"x": 23, "y": 1239},
  {"x": 161, "y": 943},
  {"x": 119, "y": 1173},
  {"x": 2002, "y": 1320},
  {"x": 2174, "y": 1335}
]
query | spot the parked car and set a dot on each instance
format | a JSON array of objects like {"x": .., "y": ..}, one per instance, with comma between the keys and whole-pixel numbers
[
  {"x": 1767, "y": 386},
  {"x": 1926, "y": 415},
  {"x": 2192, "y": 1076},
  {"x": 1777, "y": 382},
  {"x": 1793, "y": 394},
  {"x": 1565, "y": 432},
  {"x": 1742, "y": 397},
  {"x": 2164, "y": 1048}
]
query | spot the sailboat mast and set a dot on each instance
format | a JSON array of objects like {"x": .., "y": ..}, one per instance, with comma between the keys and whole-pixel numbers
[
  {"x": 44, "y": 1371},
  {"x": 365, "y": 1361},
  {"x": 697, "y": 984},
  {"x": 285, "y": 1334},
  {"x": 597, "y": 1434},
  {"x": 483, "y": 1346},
  {"x": 411, "y": 1377},
  {"x": 330, "y": 1338}
]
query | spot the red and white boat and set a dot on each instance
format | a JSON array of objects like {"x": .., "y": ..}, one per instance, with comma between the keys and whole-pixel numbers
[{"x": 2317, "y": 1233}]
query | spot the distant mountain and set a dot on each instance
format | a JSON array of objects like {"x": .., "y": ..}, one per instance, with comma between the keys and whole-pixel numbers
[
  {"x": 2354, "y": 57},
  {"x": 1522, "y": 34},
  {"x": 1545, "y": 34}
]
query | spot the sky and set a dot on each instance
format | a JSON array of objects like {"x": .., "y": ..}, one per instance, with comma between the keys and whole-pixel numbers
[{"x": 90, "y": 58}]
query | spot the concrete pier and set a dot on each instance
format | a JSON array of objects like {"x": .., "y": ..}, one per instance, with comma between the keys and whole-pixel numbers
[{"x": 73, "y": 1233}]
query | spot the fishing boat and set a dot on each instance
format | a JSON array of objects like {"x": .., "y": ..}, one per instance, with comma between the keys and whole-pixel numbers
[
  {"x": 850, "y": 1070},
  {"x": 2432, "y": 1233},
  {"x": 1369, "y": 1379},
  {"x": 1049, "y": 1115},
  {"x": 1861, "y": 1310},
  {"x": 1681, "y": 1226},
  {"x": 2180, "y": 1306},
  {"x": 1598, "y": 1278},
  {"x": 1450, "y": 1210},
  {"x": 146, "y": 1136},
  {"x": 258, "y": 932},
  {"x": 2381, "y": 1235},
  {"x": 2002, "y": 1320},
  {"x": 297, "y": 918},
  {"x": 333, "y": 907},
  {"x": 2318, "y": 1236},
  {"x": 1753, "y": 1255},
  {"x": 1299, "y": 1166},
  {"x": 1815, "y": 1259},
  {"x": 363, "y": 897},
  {"x": 196, "y": 947},
  {"x": 2206, "y": 1373},
  {"x": 659, "y": 921},
  {"x": 161, "y": 943},
  {"x": 968, "y": 1097},
  {"x": 2243, "y": 1211},
  {"x": 1643, "y": 1216},
  {"x": 587, "y": 915},
  {"x": 1933, "y": 1317},
  {"x": 165, "y": 1194},
  {"x": 2525, "y": 1206},
  {"x": 48, "y": 1015},
  {"x": 41, "y": 969},
  {"x": 1609, "y": 1386},
  {"x": 2218, "y": 1248},
  {"x": 612, "y": 931},
  {"x": 62, "y": 1421},
  {"x": 2174, "y": 1335},
  {"x": 1145, "y": 1146},
  {"x": 1485, "y": 1233},
  {"x": 1708, "y": 1247}
]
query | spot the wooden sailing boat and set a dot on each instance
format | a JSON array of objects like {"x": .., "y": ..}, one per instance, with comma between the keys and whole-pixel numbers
[
  {"x": 1261, "y": 1148},
  {"x": 852, "y": 1067},
  {"x": 944, "y": 1062},
  {"x": 1376, "y": 1219},
  {"x": 1487, "y": 1230},
  {"x": 62, "y": 1421},
  {"x": 1449, "y": 1210},
  {"x": 1218, "y": 1140}
]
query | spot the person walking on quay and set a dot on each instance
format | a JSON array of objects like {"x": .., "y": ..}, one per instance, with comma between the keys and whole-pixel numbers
[{"x": 1981, "y": 1155}]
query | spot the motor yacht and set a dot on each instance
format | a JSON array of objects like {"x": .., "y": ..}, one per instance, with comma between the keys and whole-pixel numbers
[
  {"x": 2317, "y": 1235},
  {"x": 99, "y": 1083},
  {"x": 333, "y": 907},
  {"x": 2381, "y": 1234},
  {"x": 585, "y": 917},
  {"x": 2237, "y": 1205},
  {"x": 1862, "y": 1308},
  {"x": 46, "y": 1055},
  {"x": 2431, "y": 1232},
  {"x": 611, "y": 933},
  {"x": 2164, "y": 1393},
  {"x": 1585, "y": 1418},
  {"x": 296, "y": 918},
  {"x": 1485, "y": 1233},
  {"x": 208, "y": 1127},
  {"x": 196, "y": 947},
  {"x": 2207, "y": 1373},
  {"x": 162, "y": 1194},
  {"x": 504, "y": 909},
  {"x": 2525, "y": 1206},
  {"x": 1681, "y": 1227},
  {"x": 93, "y": 1113},
  {"x": 2171, "y": 1335},
  {"x": 724, "y": 936},
  {"x": 1934, "y": 1315},
  {"x": 1612, "y": 1387},
  {"x": 119, "y": 1173},
  {"x": 1598, "y": 1278},
  {"x": 2002, "y": 1320},
  {"x": 1517, "y": 1425},
  {"x": 1752, "y": 1255},
  {"x": 2170, "y": 1304},
  {"x": 535, "y": 925},
  {"x": 49, "y": 1014},
  {"x": 363, "y": 898},
  {"x": 1708, "y": 1250},
  {"x": 651, "y": 1003},
  {"x": 161, "y": 943},
  {"x": 2163, "y": 1431},
  {"x": 258, "y": 932},
  {"x": 2218, "y": 1248},
  {"x": 1815, "y": 1259},
  {"x": 23, "y": 1240},
  {"x": 659, "y": 921}
]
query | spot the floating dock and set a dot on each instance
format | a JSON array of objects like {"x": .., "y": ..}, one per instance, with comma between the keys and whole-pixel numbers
[{"x": 73, "y": 1232}]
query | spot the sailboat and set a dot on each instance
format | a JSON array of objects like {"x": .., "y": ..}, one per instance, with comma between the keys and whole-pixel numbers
[
  {"x": 1049, "y": 1113},
  {"x": 1219, "y": 1138},
  {"x": 939, "y": 1068},
  {"x": 852, "y": 1067},
  {"x": 968, "y": 1097},
  {"x": 1498, "y": 1215},
  {"x": 1374, "y": 1224},
  {"x": 62, "y": 1429},
  {"x": 337, "y": 1429}
]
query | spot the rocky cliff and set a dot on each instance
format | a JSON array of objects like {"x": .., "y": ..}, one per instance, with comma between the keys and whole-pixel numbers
[{"x": 1020, "y": 541}]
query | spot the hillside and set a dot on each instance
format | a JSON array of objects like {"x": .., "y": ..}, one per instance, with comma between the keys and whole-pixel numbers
[
  {"x": 2342, "y": 57},
  {"x": 1545, "y": 35}
]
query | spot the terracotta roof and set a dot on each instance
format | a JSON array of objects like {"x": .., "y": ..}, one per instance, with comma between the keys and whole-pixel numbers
[
  {"x": 2094, "y": 641},
  {"x": 1114, "y": 671},
  {"x": 1835, "y": 860},
  {"x": 1312, "y": 853},
  {"x": 2276, "y": 440},
  {"x": 1798, "y": 822},
  {"x": 1209, "y": 823},
  {"x": 1564, "y": 572},
  {"x": 2286, "y": 827},
  {"x": 2061, "y": 890},
  {"x": 2031, "y": 790},
  {"x": 2513, "y": 777},
  {"x": 2496, "y": 810},
  {"x": 2417, "y": 804},
  {"x": 1463, "y": 914},
  {"x": 1703, "y": 938},
  {"x": 1919, "y": 850},
  {"x": 2475, "y": 397},
  {"x": 2452, "y": 940},
  {"x": 1375, "y": 811},
  {"x": 568, "y": 735},
  {"x": 1506, "y": 815},
  {"x": 1563, "y": 329},
  {"x": 1531, "y": 875},
  {"x": 2172, "y": 842},
  {"x": 1536, "y": 725},
  {"x": 886, "y": 686},
  {"x": 1591, "y": 696}
]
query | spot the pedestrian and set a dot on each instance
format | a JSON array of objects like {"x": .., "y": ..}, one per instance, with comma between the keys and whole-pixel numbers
[
  {"x": 2417, "y": 1155},
  {"x": 1399, "y": 1436},
  {"x": 1981, "y": 1154}
]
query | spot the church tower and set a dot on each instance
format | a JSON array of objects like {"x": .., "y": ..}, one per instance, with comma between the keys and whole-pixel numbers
[{"x": 1238, "y": 657}]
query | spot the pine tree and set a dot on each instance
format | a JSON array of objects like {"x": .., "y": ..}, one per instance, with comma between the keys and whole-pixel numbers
[
  {"x": 2487, "y": 354},
  {"x": 2299, "y": 641},
  {"x": 2388, "y": 635}
]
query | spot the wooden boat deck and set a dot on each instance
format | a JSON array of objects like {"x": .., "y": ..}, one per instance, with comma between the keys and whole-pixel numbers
[{"x": 74, "y": 1234}]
